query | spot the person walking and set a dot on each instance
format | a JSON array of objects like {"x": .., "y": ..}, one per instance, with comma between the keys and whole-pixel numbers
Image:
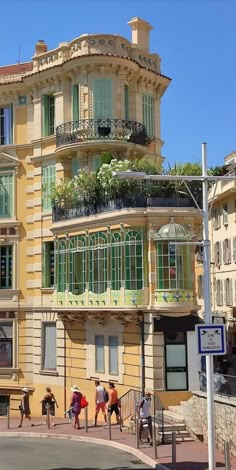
[
  {"x": 113, "y": 403},
  {"x": 75, "y": 404},
  {"x": 24, "y": 407},
  {"x": 145, "y": 415},
  {"x": 49, "y": 400},
  {"x": 100, "y": 401}
]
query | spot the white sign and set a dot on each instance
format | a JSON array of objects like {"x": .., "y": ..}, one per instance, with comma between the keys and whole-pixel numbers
[{"x": 211, "y": 339}]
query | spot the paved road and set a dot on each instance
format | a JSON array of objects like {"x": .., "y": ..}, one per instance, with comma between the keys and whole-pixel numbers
[{"x": 42, "y": 454}]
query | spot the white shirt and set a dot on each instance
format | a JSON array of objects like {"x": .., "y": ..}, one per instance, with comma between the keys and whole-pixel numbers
[
  {"x": 145, "y": 411},
  {"x": 100, "y": 394}
]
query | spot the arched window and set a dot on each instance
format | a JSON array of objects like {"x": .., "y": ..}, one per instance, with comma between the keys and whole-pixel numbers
[
  {"x": 134, "y": 260},
  {"x": 77, "y": 264},
  {"x": 98, "y": 262},
  {"x": 173, "y": 266},
  {"x": 61, "y": 284},
  {"x": 116, "y": 264}
]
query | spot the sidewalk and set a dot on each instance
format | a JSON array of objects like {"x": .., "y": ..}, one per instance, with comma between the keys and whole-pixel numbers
[{"x": 190, "y": 455}]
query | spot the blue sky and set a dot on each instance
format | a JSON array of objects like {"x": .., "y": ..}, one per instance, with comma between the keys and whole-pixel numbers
[{"x": 195, "y": 39}]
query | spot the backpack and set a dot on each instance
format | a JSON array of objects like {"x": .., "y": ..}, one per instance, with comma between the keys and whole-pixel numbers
[{"x": 106, "y": 395}]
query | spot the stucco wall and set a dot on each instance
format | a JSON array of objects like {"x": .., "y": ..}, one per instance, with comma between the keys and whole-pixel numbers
[{"x": 225, "y": 418}]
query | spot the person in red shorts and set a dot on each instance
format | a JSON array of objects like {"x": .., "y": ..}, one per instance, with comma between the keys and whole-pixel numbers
[{"x": 100, "y": 402}]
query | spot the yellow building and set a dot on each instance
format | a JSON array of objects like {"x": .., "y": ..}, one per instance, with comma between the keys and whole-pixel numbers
[
  {"x": 222, "y": 231},
  {"x": 98, "y": 290}
]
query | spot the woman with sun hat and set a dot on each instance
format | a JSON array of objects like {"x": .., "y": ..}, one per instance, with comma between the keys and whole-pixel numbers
[{"x": 75, "y": 404}]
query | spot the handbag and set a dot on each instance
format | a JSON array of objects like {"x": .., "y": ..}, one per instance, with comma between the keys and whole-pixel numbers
[{"x": 84, "y": 402}]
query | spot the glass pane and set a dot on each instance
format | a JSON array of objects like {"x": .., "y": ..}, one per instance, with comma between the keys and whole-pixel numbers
[
  {"x": 175, "y": 355},
  {"x": 49, "y": 344},
  {"x": 113, "y": 355},
  {"x": 176, "y": 381},
  {"x": 99, "y": 353},
  {"x": 175, "y": 337},
  {"x": 5, "y": 353}
]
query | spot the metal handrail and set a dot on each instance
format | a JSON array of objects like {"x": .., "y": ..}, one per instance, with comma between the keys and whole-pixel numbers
[{"x": 129, "y": 403}]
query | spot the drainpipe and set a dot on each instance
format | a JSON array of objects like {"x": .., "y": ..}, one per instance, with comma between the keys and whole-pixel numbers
[{"x": 142, "y": 344}]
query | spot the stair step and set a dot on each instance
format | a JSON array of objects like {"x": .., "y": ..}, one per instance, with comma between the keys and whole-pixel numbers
[
  {"x": 174, "y": 427},
  {"x": 176, "y": 409},
  {"x": 170, "y": 416},
  {"x": 182, "y": 437}
]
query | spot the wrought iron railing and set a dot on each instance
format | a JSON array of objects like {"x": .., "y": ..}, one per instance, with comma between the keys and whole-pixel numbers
[
  {"x": 67, "y": 211},
  {"x": 223, "y": 384},
  {"x": 101, "y": 129}
]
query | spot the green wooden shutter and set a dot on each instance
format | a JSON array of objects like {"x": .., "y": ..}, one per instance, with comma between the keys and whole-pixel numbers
[
  {"x": 45, "y": 266},
  {"x": 102, "y": 98},
  {"x": 45, "y": 112},
  {"x": 6, "y": 195},
  {"x": 48, "y": 178},
  {"x": 148, "y": 113},
  {"x": 75, "y": 167},
  {"x": 11, "y": 123},
  {"x": 75, "y": 102},
  {"x": 126, "y": 92},
  {"x": 96, "y": 163}
]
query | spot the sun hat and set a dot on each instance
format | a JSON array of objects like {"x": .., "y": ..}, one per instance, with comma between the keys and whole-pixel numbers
[
  {"x": 25, "y": 389},
  {"x": 75, "y": 388}
]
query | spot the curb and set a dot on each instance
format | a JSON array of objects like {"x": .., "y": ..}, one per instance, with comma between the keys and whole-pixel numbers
[{"x": 137, "y": 453}]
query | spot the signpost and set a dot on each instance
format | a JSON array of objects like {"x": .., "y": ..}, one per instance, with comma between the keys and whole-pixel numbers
[{"x": 211, "y": 339}]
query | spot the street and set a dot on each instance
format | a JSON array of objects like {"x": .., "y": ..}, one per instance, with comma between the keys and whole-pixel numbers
[{"x": 42, "y": 454}]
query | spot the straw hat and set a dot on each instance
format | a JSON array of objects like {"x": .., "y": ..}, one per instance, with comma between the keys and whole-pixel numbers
[{"x": 75, "y": 388}]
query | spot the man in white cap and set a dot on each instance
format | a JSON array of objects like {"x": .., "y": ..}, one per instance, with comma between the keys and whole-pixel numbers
[{"x": 24, "y": 406}]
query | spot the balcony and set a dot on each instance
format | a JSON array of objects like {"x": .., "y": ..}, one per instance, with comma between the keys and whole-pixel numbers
[
  {"x": 62, "y": 211},
  {"x": 100, "y": 130}
]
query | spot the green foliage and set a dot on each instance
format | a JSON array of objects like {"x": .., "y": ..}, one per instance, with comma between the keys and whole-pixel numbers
[{"x": 112, "y": 185}]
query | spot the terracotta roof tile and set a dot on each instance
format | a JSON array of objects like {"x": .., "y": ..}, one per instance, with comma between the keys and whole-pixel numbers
[{"x": 16, "y": 69}]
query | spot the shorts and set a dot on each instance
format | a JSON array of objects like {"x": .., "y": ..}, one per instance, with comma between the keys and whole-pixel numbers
[
  {"x": 100, "y": 406},
  {"x": 115, "y": 408}
]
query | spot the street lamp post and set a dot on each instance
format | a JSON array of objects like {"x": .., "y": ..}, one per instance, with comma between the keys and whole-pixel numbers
[{"x": 204, "y": 178}]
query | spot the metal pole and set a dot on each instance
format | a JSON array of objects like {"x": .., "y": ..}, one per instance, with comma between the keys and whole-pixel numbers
[
  {"x": 154, "y": 428},
  {"x": 109, "y": 424},
  {"x": 208, "y": 314},
  {"x": 8, "y": 417},
  {"x": 173, "y": 450},
  {"x": 227, "y": 456},
  {"x": 86, "y": 418},
  {"x": 137, "y": 430},
  {"x": 48, "y": 415}
]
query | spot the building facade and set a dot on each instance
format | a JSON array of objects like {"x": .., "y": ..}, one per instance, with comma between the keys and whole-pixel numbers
[
  {"x": 99, "y": 292},
  {"x": 222, "y": 201}
]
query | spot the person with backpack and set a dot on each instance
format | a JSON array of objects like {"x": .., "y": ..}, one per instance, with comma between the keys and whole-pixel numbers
[
  {"x": 101, "y": 398},
  {"x": 49, "y": 400},
  {"x": 145, "y": 416}
]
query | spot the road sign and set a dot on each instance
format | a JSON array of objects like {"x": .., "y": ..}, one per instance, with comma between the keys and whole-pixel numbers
[{"x": 211, "y": 339}]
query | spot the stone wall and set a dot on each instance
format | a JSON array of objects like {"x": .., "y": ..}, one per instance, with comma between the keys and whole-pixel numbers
[{"x": 225, "y": 419}]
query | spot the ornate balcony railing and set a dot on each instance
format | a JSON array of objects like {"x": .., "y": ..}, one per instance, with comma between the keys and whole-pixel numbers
[
  {"x": 63, "y": 211},
  {"x": 87, "y": 130}
]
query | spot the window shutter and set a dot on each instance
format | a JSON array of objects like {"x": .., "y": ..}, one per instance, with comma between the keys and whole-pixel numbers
[
  {"x": 102, "y": 98},
  {"x": 75, "y": 167},
  {"x": 230, "y": 292},
  {"x": 46, "y": 269},
  {"x": 214, "y": 218},
  {"x": 126, "y": 92},
  {"x": 221, "y": 293},
  {"x": 49, "y": 345},
  {"x": 96, "y": 163},
  {"x": 224, "y": 251},
  {"x": 215, "y": 254},
  {"x": 234, "y": 249},
  {"x": 219, "y": 218},
  {"x": 45, "y": 112},
  {"x": 225, "y": 292},
  {"x": 75, "y": 102},
  {"x": 220, "y": 253},
  {"x": 11, "y": 123},
  {"x": 148, "y": 113},
  {"x": 229, "y": 251}
]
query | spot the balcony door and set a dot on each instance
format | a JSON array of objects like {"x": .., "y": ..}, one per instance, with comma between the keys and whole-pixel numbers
[{"x": 176, "y": 361}]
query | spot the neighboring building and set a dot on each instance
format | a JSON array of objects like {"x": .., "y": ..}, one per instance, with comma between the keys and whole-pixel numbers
[
  {"x": 222, "y": 230},
  {"x": 85, "y": 296}
]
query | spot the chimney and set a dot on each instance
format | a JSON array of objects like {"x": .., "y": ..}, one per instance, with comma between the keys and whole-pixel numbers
[
  {"x": 140, "y": 33},
  {"x": 40, "y": 47}
]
